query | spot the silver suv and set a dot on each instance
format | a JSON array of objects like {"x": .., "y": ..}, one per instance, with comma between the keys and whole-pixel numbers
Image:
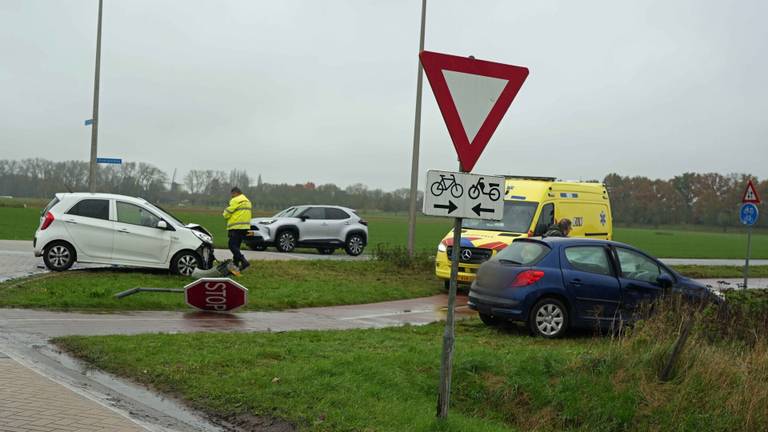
[{"x": 323, "y": 227}]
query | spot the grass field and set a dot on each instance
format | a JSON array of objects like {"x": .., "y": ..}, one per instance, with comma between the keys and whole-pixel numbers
[
  {"x": 20, "y": 224},
  {"x": 503, "y": 380},
  {"x": 273, "y": 285}
]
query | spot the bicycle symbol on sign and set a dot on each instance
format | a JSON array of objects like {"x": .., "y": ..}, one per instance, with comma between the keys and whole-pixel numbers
[
  {"x": 479, "y": 188},
  {"x": 445, "y": 183}
]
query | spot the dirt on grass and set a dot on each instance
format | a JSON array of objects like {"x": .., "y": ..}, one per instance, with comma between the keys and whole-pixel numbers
[{"x": 245, "y": 422}]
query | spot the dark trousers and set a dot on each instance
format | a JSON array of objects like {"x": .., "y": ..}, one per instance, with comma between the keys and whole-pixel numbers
[{"x": 236, "y": 237}]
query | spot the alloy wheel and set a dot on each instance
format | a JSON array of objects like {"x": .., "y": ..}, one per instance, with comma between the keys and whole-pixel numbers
[
  {"x": 287, "y": 241},
  {"x": 355, "y": 246},
  {"x": 59, "y": 256},
  {"x": 187, "y": 265},
  {"x": 549, "y": 319}
]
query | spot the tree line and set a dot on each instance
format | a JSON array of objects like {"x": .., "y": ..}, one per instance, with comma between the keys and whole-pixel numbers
[
  {"x": 41, "y": 178},
  {"x": 688, "y": 199}
]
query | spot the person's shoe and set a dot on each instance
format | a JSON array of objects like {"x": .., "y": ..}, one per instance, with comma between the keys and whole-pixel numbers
[{"x": 244, "y": 265}]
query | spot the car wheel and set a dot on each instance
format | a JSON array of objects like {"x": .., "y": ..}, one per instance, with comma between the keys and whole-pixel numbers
[
  {"x": 184, "y": 263},
  {"x": 326, "y": 250},
  {"x": 355, "y": 245},
  {"x": 257, "y": 247},
  {"x": 59, "y": 256},
  {"x": 286, "y": 241},
  {"x": 490, "y": 320},
  {"x": 548, "y": 318}
]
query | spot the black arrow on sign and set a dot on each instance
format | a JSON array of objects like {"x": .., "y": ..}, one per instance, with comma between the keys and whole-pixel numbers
[
  {"x": 477, "y": 209},
  {"x": 450, "y": 207}
]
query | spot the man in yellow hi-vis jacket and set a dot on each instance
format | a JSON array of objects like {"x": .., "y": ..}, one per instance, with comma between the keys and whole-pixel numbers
[{"x": 238, "y": 216}]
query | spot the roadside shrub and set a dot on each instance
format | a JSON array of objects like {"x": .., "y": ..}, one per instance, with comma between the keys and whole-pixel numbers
[
  {"x": 399, "y": 256},
  {"x": 721, "y": 369}
]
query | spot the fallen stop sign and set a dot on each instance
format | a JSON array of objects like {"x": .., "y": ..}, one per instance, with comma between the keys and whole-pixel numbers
[{"x": 216, "y": 294}]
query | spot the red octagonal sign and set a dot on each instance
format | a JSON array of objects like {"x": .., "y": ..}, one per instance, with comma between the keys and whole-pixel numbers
[{"x": 216, "y": 294}]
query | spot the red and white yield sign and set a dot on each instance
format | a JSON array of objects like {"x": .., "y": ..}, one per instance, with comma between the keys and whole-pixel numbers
[
  {"x": 473, "y": 96},
  {"x": 216, "y": 294}
]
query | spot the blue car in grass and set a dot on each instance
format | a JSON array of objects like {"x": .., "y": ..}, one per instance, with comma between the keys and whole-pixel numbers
[{"x": 554, "y": 283}]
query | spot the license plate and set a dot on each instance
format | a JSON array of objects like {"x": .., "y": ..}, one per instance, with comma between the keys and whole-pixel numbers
[{"x": 464, "y": 278}]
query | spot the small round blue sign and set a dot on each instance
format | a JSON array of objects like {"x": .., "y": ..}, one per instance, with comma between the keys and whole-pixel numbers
[{"x": 748, "y": 214}]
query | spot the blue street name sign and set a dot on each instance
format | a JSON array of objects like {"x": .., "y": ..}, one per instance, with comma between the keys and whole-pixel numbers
[
  {"x": 109, "y": 161},
  {"x": 89, "y": 122},
  {"x": 748, "y": 214}
]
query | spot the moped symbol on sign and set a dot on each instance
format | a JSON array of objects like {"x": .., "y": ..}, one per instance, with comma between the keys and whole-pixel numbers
[{"x": 463, "y": 195}]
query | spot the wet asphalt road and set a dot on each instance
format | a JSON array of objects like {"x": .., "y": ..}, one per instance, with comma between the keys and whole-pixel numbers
[{"x": 17, "y": 258}]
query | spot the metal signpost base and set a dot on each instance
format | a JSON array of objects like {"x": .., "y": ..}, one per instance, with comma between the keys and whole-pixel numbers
[
  {"x": 446, "y": 361},
  {"x": 746, "y": 262}
]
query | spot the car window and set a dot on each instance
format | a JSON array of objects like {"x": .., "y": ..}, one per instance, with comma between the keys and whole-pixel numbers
[
  {"x": 135, "y": 215},
  {"x": 334, "y": 213},
  {"x": 314, "y": 213},
  {"x": 523, "y": 252},
  {"x": 591, "y": 259},
  {"x": 638, "y": 267},
  {"x": 50, "y": 205},
  {"x": 92, "y": 208},
  {"x": 546, "y": 219},
  {"x": 289, "y": 212},
  {"x": 517, "y": 218}
]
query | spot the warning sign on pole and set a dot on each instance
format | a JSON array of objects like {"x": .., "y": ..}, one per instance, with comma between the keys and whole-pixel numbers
[{"x": 750, "y": 194}]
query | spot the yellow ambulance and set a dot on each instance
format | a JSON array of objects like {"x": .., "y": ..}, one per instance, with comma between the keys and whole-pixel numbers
[{"x": 531, "y": 206}]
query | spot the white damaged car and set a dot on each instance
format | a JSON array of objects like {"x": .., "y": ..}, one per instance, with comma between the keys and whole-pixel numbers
[{"x": 119, "y": 230}]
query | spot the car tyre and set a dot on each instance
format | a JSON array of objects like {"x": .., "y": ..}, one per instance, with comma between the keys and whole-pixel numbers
[
  {"x": 548, "y": 318},
  {"x": 355, "y": 245},
  {"x": 286, "y": 241},
  {"x": 185, "y": 262},
  {"x": 490, "y": 320},
  {"x": 257, "y": 247},
  {"x": 59, "y": 256},
  {"x": 326, "y": 250}
]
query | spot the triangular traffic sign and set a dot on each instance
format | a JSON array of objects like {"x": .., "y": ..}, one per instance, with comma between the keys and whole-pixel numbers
[
  {"x": 473, "y": 96},
  {"x": 750, "y": 194}
]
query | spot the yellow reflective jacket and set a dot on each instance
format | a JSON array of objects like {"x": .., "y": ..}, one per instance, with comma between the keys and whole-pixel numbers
[{"x": 238, "y": 214}]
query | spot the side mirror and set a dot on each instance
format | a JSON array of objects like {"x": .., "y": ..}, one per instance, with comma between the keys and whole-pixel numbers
[
  {"x": 163, "y": 225},
  {"x": 303, "y": 218},
  {"x": 665, "y": 281}
]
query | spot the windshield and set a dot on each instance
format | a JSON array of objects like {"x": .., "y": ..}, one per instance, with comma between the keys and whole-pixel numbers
[
  {"x": 289, "y": 212},
  {"x": 523, "y": 253},
  {"x": 165, "y": 212},
  {"x": 517, "y": 218}
]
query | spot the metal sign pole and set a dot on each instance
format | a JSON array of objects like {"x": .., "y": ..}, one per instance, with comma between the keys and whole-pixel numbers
[
  {"x": 449, "y": 336},
  {"x": 749, "y": 249}
]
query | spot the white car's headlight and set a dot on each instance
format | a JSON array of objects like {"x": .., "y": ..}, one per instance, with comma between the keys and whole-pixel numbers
[
  {"x": 267, "y": 222},
  {"x": 203, "y": 237},
  {"x": 442, "y": 247}
]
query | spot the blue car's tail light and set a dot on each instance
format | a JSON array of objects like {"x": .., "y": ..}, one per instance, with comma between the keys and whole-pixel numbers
[{"x": 528, "y": 277}]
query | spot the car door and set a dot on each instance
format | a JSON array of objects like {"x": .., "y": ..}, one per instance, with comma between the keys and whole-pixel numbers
[
  {"x": 337, "y": 221},
  {"x": 88, "y": 224},
  {"x": 313, "y": 224},
  {"x": 137, "y": 238},
  {"x": 638, "y": 276},
  {"x": 589, "y": 277}
]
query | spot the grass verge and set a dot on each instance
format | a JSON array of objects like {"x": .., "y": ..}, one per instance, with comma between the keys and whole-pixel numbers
[
  {"x": 272, "y": 285},
  {"x": 386, "y": 379}
]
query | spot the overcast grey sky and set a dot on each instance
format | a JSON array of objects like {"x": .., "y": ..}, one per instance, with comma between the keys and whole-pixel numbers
[{"x": 324, "y": 91}]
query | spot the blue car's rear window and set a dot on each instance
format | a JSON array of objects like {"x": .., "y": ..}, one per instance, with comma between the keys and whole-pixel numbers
[{"x": 523, "y": 253}]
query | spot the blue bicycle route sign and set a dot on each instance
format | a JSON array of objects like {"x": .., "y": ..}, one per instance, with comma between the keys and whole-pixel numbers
[{"x": 748, "y": 214}]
